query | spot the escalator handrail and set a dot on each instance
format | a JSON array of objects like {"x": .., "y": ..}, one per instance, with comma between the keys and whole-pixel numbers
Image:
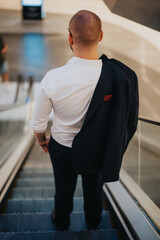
[
  {"x": 149, "y": 121},
  {"x": 19, "y": 81},
  {"x": 15, "y": 104},
  {"x": 128, "y": 212}
]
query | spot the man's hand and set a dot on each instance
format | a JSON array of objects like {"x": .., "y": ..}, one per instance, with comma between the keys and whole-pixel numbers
[
  {"x": 43, "y": 141},
  {"x": 44, "y": 144}
]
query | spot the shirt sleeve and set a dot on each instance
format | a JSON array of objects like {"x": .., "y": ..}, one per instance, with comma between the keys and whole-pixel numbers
[{"x": 42, "y": 109}]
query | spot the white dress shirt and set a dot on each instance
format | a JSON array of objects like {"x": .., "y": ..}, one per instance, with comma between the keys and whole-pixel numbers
[{"x": 67, "y": 91}]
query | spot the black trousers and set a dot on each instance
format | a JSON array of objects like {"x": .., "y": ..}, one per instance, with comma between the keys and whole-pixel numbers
[{"x": 65, "y": 184}]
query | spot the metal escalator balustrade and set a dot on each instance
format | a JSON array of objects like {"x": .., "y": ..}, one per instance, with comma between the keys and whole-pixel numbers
[
  {"x": 141, "y": 168},
  {"x": 16, "y": 136},
  {"x": 27, "y": 214},
  {"x": 28, "y": 211},
  {"x": 18, "y": 94},
  {"x": 13, "y": 115}
]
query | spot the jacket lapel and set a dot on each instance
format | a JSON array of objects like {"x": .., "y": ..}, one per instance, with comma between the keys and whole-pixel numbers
[{"x": 103, "y": 86}]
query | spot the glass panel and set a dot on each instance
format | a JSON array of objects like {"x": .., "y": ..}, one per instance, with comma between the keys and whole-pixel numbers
[
  {"x": 150, "y": 160},
  {"x": 13, "y": 123},
  {"x": 142, "y": 159},
  {"x": 130, "y": 159}
]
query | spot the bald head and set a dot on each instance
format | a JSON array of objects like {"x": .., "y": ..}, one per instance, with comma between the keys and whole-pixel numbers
[{"x": 85, "y": 27}]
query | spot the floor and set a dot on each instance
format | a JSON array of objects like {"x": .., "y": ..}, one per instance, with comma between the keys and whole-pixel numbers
[{"x": 35, "y": 54}]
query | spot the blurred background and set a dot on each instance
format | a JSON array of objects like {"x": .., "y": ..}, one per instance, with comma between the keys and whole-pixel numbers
[{"x": 33, "y": 40}]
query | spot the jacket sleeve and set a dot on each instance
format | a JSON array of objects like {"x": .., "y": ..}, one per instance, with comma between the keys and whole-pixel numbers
[
  {"x": 134, "y": 110},
  {"x": 123, "y": 122}
]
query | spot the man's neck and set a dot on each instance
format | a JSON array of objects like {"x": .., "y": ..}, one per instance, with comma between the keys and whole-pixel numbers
[{"x": 86, "y": 54}]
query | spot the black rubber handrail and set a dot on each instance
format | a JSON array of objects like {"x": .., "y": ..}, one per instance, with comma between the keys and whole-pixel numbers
[
  {"x": 149, "y": 121},
  {"x": 30, "y": 85},
  {"x": 19, "y": 81},
  {"x": 15, "y": 104}
]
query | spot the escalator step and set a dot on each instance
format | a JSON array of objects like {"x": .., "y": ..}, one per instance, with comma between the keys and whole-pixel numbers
[
  {"x": 37, "y": 205},
  {"x": 42, "y": 222},
  {"x": 37, "y": 159},
  {"x": 87, "y": 235},
  {"x": 36, "y": 175},
  {"x": 37, "y": 170},
  {"x": 37, "y": 165},
  {"x": 39, "y": 192},
  {"x": 39, "y": 182}
]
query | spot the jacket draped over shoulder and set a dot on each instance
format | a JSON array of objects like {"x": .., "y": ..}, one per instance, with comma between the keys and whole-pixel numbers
[{"x": 110, "y": 122}]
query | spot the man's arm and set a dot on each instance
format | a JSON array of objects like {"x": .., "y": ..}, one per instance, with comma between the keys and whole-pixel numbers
[{"x": 42, "y": 110}]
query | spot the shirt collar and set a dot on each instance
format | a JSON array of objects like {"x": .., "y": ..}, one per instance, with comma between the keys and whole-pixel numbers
[{"x": 82, "y": 61}]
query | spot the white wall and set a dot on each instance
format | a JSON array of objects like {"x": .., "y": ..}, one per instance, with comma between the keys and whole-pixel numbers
[{"x": 10, "y": 4}]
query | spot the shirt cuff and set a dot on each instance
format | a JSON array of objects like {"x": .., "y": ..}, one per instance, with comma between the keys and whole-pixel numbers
[{"x": 36, "y": 128}]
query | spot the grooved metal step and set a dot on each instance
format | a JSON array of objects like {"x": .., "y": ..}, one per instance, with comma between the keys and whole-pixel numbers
[
  {"x": 36, "y": 182},
  {"x": 28, "y": 212},
  {"x": 37, "y": 165},
  {"x": 39, "y": 182},
  {"x": 37, "y": 205},
  {"x": 87, "y": 235},
  {"x": 42, "y": 222},
  {"x": 36, "y": 175},
  {"x": 38, "y": 160},
  {"x": 37, "y": 170},
  {"x": 39, "y": 192}
]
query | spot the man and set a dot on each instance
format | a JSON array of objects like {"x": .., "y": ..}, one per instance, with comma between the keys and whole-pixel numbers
[
  {"x": 71, "y": 91},
  {"x": 3, "y": 62}
]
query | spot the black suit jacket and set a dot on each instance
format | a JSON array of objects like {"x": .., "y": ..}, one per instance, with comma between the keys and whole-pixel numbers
[{"x": 110, "y": 122}]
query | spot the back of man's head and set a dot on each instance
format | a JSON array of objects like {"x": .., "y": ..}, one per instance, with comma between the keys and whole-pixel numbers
[{"x": 85, "y": 27}]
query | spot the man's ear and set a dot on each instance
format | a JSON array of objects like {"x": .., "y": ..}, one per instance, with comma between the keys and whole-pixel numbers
[
  {"x": 101, "y": 37},
  {"x": 70, "y": 39}
]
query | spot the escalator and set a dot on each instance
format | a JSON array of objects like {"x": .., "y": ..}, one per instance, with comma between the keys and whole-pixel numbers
[
  {"x": 27, "y": 189},
  {"x": 26, "y": 213},
  {"x": 25, "y": 209}
]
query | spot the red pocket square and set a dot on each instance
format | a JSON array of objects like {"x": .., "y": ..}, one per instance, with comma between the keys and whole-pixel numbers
[{"x": 107, "y": 97}]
